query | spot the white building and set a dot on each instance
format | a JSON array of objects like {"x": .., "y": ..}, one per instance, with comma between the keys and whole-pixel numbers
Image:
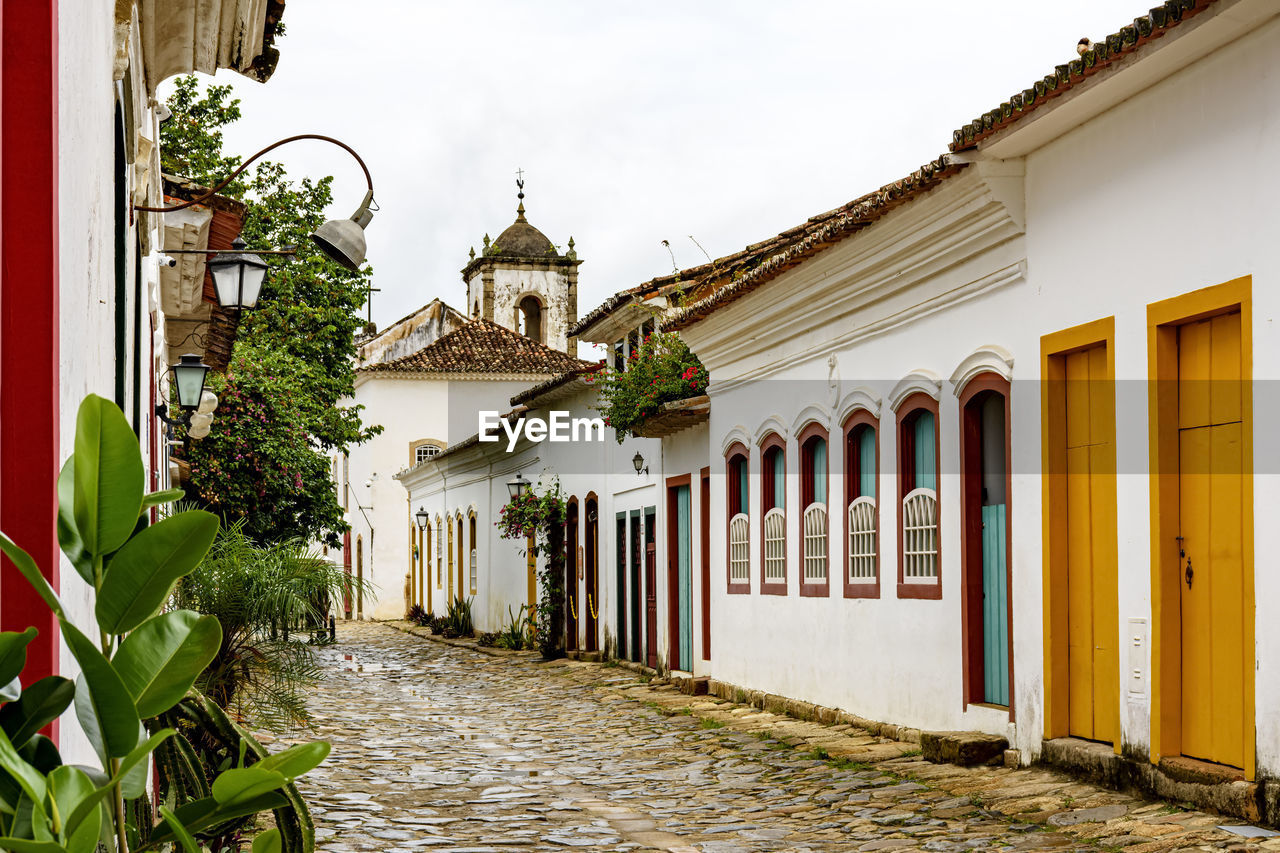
[
  {"x": 939, "y": 529},
  {"x": 426, "y": 378}
]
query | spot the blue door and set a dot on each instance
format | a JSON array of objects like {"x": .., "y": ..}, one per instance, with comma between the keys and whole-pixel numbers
[{"x": 995, "y": 606}]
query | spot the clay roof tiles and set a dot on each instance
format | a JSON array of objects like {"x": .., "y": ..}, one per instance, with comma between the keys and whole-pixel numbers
[
  {"x": 1114, "y": 47},
  {"x": 482, "y": 347}
]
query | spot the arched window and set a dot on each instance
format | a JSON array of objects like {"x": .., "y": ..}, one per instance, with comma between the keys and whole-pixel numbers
[
  {"x": 531, "y": 318},
  {"x": 424, "y": 450},
  {"x": 773, "y": 515},
  {"x": 813, "y": 498},
  {"x": 861, "y": 473},
  {"x": 919, "y": 546},
  {"x": 736, "y": 466},
  {"x": 439, "y": 552}
]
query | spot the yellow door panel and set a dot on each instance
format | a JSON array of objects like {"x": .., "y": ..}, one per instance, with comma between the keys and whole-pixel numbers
[
  {"x": 1194, "y": 368},
  {"x": 1079, "y": 592},
  {"x": 1225, "y": 389},
  {"x": 1105, "y": 605},
  {"x": 1225, "y": 592}
]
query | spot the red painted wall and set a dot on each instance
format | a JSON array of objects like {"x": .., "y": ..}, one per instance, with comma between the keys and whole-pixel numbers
[{"x": 29, "y": 382}]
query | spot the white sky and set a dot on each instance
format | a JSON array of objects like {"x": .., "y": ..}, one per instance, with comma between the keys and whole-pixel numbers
[{"x": 728, "y": 120}]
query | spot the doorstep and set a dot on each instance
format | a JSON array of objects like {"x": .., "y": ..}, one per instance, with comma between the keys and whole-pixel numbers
[{"x": 1182, "y": 780}]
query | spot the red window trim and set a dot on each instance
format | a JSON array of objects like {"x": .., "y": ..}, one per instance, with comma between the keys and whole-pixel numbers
[
  {"x": 917, "y": 402},
  {"x": 807, "y": 487},
  {"x": 861, "y": 417},
  {"x": 737, "y": 449},
  {"x": 769, "y": 442},
  {"x": 971, "y": 538}
]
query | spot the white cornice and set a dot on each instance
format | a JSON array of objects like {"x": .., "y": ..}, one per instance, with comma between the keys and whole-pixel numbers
[
  {"x": 916, "y": 382},
  {"x": 370, "y": 374},
  {"x": 955, "y": 242},
  {"x": 862, "y": 397}
]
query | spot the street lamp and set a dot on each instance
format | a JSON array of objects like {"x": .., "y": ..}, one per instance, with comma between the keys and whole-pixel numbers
[
  {"x": 518, "y": 486},
  {"x": 341, "y": 239},
  {"x": 638, "y": 461},
  {"x": 237, "y": 276},
  {"x": 188, "y": 386},
  {"x": 421, "y": 517}
]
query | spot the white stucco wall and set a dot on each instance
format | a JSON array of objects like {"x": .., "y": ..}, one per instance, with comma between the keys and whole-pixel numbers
[
  {"x": 511, "y": 284},
  {"x": 1169, "y": 192},
  {"x": 87, "y": 210}
]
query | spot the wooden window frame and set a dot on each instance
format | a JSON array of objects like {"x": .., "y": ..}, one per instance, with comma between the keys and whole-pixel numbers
[
  {"x": 771, "y": 442},
  {"x": 917, "y": 402},
  {"x": 732, "y": 496},
  {"x": 808, "y": 486},
  {"x": 971, "y": 593},
  {"x": 852, "y": 474}
]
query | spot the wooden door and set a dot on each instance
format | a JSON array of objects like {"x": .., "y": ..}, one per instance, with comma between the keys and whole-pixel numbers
[
  {"x": 634, "y": 588},
  {"x": 650, "y": 592},
  {"x": 1211, "y": 525},
  {"x": 704, "y": 536},
  {"x": 1092, "y": 606},
  {"x": 680, "y": 577},
  {"x": 591, "y": 583},
  {"x": 620, "y": 583},
  {"x": 571, "y": 603}
]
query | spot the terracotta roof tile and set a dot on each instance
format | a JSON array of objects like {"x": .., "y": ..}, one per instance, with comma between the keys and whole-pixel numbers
[
  {"x": 1114, "y": 47},
  {"x": 482, "y": 347},
  {"x": 764, "y": 261}
]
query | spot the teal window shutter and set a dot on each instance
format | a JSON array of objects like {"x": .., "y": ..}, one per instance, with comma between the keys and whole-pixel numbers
[
  {"x": 926, "y": 452},
  {"x": 779, "y": 480},
  {"x": 743, "y": 506},
  {"x": 820, "y": 471},
  {"x": 867, "y": 463}
]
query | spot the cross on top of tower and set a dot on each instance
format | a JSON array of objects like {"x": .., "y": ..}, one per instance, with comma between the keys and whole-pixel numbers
[{"x": 520, "y": 195}]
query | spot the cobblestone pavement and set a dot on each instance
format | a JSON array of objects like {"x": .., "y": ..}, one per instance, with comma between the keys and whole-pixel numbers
[{"x": 440, "y": 748}]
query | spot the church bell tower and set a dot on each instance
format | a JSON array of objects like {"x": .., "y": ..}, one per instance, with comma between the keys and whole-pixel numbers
[{"x": 523, "y": 282}]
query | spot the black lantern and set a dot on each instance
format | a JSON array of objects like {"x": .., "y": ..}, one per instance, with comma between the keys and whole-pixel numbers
[
  {"x": 188, "y": 381},
  {"x": 237, "y": 276},
  {"x": 638, "y": 461},
  {"x": 421, "y": 517},
  {"x": 518, "y": 486}
]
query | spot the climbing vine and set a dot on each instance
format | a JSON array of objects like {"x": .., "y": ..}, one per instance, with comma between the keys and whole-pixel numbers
[
  {"x": 662, "y": 369},
  {"x": 538, "y": 520}
]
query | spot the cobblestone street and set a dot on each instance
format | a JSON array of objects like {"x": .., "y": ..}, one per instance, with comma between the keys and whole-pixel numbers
[{"x": 437, "y": 747}]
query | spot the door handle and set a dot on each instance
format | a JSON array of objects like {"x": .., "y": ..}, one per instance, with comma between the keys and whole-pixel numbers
[{"x": 1190, "y": 574}]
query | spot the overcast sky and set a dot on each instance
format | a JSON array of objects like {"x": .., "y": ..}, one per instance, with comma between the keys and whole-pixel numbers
[{"x": 727, "y": 120}]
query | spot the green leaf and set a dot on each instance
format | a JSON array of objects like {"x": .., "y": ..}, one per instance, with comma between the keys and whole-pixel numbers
[
  {"x": 68, "y": 535},
  {"x": 167, "y": 496},
  {"x": 267, "y": 842},
  {"x": 108, "y": 476},
  {"x": 23, "y": 845},
  {"x": 104, "y": 696},
  {"x": 68, "y": 788},
  {"x": 296, "y": 760},
  {"x": 160, "y": 660},
  {"x": 13, "y": 653},
  {"x": 28, "y": 778},
  {"x": 199, "y": 814},
  {"x": 142, "y": 573},
  {"x": 39, "y": 705},
  {"x": 22, "y": 560},
  {"x": 179, "y": 831},
  {"x": 134, "y": 759},
  {"x": 240, "y": 785},
  {"x": 42, "y": 754}
]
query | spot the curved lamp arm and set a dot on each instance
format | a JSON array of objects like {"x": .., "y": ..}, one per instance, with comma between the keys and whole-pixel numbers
[
  {"x": 341, "y": 240},
  {"x": 368, "y": 177}
]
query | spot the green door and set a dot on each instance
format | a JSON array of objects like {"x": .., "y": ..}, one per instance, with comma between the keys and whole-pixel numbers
[
  {"x": 995, "y": 610},
  {"x": 684, "y": 554}
]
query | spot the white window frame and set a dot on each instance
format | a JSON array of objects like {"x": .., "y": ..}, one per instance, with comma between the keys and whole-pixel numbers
[
  {"x": 864, "y": 564},
  {"x": 775, "y": 546},
  {"x": 740, "y": 548},
  {"x": 473, "y": 570},
  {"x": 425, "y": 453},
  {"x": 815, "y": 543},
  {"x": 920, "y": 537}
]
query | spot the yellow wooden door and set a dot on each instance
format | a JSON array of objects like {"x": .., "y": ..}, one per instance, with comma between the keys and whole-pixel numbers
[
  {"x": 1211, "y": 523},
  {"x": 448, "y": 590},
  {"x": 1092, "y": 609}
]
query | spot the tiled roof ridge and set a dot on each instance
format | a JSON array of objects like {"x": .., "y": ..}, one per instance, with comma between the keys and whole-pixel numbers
[
  {"x": 534, "y": 391},
  {"x": 818, "y": 233},
  {"x": 1144, "y": 29}
]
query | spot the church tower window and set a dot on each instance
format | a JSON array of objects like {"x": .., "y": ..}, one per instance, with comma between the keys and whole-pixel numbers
[{"x": 531, "y": 318}]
